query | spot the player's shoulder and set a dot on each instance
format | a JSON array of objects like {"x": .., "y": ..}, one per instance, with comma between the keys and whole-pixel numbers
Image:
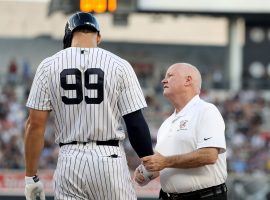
[
  {"x": 116, "y": 58},
  {"x": 47, "y": 62},
  {"x": 108, "y": 53},
  {"x": 60, "y": 53}
]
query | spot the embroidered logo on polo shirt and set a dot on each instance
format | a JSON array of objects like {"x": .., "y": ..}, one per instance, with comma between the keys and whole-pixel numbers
[
  {"x": 207, "y": 138},
  {"x": 183, "y": 125}
]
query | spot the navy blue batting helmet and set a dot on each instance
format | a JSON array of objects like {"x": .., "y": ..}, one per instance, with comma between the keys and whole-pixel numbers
[{"x": 76, "y": 21}]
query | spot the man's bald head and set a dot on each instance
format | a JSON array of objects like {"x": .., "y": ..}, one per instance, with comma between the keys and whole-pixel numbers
[{"x": 191, "y": 71}]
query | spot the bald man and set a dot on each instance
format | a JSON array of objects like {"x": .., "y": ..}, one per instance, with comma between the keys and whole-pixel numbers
[{"x": 190, "y": 150}]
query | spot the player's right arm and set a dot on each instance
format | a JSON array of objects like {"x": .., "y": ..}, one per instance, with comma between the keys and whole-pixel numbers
[
  {"x": 34, "y": 139},
  {"x": 39, "y": 104},
  {"x": 33, "y": 145}
]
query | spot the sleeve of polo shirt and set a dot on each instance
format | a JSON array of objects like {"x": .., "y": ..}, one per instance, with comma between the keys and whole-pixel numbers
[
  {"x": 39, "y": 97},
  {"x": 131, "y": 97},
  {"x": 211, "y": 130}
]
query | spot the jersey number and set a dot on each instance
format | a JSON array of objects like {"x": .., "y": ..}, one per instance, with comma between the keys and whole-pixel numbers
[{"x": 77, "y": 86}]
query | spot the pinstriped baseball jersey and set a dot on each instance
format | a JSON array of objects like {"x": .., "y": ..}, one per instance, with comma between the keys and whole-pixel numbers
[{"x": 89, "y": 90}]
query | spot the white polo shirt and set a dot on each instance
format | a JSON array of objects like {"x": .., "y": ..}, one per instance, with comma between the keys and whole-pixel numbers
[{"x": 199, "y": 124}]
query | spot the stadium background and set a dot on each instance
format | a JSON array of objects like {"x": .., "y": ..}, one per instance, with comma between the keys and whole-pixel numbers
[{"x": 228, "y": 43}]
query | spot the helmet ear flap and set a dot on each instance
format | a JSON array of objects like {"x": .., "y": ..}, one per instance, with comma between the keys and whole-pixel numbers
[
  {"x": 67, "y": 37},
  {"x": 67, "y": 40}
]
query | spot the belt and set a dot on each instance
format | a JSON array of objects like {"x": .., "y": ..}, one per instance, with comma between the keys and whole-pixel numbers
[
  {"x": 198, "y": 194},
  {"x": 106, "y": 143}
]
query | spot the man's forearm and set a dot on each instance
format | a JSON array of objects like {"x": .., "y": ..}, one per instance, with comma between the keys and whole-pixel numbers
[
  {"x": 34, "y": 142},
  {"x": 194, "y": 159}
]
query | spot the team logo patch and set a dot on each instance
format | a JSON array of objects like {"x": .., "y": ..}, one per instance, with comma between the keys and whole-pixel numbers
[{"x": 183, "y": 125}]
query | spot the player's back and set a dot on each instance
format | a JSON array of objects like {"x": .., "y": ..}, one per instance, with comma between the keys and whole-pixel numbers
[{"x": 87, "y": 93}]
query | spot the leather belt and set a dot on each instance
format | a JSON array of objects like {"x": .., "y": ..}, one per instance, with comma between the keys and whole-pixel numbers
[
  {"x": 198, "y": 194},
  {"x": 106, "y": 143}
]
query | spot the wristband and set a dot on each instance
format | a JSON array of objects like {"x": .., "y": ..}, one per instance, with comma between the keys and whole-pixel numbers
[
  {"x": 145, "y": 173},
  {"x": 31, "y": 179}
]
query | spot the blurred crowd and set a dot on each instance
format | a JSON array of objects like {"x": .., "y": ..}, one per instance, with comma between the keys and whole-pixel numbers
[
  {"x": 246, "y": 114},
  {"x": 14, "y": 90}
]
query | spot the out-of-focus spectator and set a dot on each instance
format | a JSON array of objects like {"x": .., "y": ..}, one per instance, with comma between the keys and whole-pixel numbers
[
  {"x": 12, "y": 72},
  {"x": 218, "y": 79},
  {"x": 26, "y": 72}
]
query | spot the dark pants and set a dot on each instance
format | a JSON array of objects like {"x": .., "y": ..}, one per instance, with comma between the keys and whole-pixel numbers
[{"x": 212, "y": 193}]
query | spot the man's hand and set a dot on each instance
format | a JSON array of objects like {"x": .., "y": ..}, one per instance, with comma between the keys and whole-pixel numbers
[
  {"x": 33, "y": 188},
  {"x": 143, "y": 177},
  {"x": 155, "y": 162}
]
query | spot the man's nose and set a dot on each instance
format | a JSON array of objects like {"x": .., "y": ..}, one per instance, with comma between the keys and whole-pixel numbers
[{"x": 164, "y": 81}]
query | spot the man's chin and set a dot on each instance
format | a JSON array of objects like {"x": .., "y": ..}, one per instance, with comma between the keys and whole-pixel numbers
[{"x": 165, "y": 94}]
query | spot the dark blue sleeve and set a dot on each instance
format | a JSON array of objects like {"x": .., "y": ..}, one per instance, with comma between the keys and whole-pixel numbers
[{"x": 138, "y": 133}]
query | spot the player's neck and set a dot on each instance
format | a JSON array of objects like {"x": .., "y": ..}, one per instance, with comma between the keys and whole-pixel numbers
[
  {"x": 83, "y": 40},
  {"x": 84, "y": 45}
]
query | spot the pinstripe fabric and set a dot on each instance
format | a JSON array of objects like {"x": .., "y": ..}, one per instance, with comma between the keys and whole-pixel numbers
[
  {"x": 89, "y": 90},
  {"x": 88, "y": 172}
]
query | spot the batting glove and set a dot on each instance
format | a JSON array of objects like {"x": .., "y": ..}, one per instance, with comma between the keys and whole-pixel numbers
[
  {"x": 33, "y": 188},
  {"x": 142, "y": 176}
]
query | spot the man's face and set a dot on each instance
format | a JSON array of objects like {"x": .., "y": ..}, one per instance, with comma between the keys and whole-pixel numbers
[{"x": 173, "y": 82}]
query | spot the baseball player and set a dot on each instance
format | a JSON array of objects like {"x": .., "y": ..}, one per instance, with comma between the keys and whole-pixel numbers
[
  {"x": 190, "y": 143},
  {"x": 95, "y": 97}
]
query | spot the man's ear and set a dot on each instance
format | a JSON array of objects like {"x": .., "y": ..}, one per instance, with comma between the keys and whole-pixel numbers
[
  {"x": 188, "y": 80},
  {"x": 98, "y": 39}
]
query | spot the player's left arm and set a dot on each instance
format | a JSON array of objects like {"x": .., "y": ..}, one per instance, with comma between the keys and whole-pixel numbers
[
  {"x": 138, "y": 133},
  {"x": 130, "y": 103},
  {"x": 34, "y": 139}
]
